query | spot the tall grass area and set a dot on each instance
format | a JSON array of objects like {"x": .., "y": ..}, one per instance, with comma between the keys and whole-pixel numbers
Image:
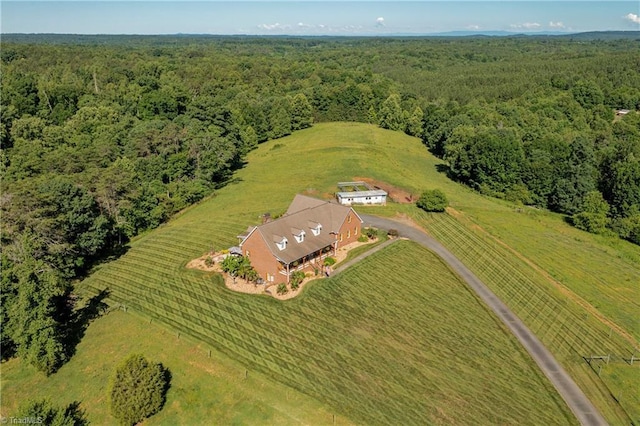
[
  {"x": 409, "y": 347},
  {"x": 206, "y": 388},
  {"x": 398, "y": 291}
]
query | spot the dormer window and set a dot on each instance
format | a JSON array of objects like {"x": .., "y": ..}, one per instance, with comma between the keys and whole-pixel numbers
[
  {"x": 281, "y": 242},
  {"x": 315, "y": 228},
  {"x": 298, "y": 234}
]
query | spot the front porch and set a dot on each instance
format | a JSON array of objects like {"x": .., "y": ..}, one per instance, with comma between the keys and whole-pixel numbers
[{"x": 309, "y": 262}]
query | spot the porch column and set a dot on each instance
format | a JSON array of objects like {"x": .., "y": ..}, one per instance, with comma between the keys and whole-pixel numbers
[{"x": 287, "y": 273}]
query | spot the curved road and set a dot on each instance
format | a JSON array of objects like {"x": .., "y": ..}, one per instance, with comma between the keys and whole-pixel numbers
[{"x": 583, "y": 409}]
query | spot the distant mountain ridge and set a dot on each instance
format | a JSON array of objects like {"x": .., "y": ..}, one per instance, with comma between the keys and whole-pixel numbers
[
  {"x": 591, "y": 35},
  {"x": 92, "y": 38}
]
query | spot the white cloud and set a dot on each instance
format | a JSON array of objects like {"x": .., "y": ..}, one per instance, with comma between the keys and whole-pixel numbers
[
  {"x": 272, "y": 27},
  {"x": 556, "y": 24},
  {"x": 633, "y": 18},
  {"x": 473, "y": 27},
  {"x": 302, "y": 28},
  {"x": 526, "y": 25},
  {"x": 380, "y": 22}
]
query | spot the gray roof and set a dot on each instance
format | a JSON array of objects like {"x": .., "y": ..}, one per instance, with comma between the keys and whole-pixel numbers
[
  {"x": 304, "y": 214},
  {"x": 360, "y": 194},
  {"x": 302, "y": 202}
]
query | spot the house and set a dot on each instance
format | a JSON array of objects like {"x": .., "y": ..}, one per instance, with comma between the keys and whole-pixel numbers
[
  {"x": 360, "y": 193},
  {"x": 310, "y": 230}
]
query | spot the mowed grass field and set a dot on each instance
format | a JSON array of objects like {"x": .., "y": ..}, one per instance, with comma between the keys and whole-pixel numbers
[
  {"x": 272, "y": 337},
  {"x": 571, "y": 331},
  {"x": 412, "y": 347},
  {"x": 205, "y": 388}
]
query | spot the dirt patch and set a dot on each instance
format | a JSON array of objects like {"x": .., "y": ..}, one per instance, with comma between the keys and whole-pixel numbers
[
  {"x": 243, "y": 286},
  {"x": 396, "y": 194}
]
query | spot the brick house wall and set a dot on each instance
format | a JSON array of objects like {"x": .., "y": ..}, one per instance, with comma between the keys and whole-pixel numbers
[
  {"x": 350, "y": 230},
  {"x": 262, "y": 259}
]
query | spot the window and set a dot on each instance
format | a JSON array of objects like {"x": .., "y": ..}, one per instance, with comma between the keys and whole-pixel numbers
[
  {"x": 349, "y": 234},
  {"x": 316, "y": 231},
  {"x": 246, "y": 253},
  {"x": 355, "y": 231},
  {"x": 300, "y": 236},
  {"x": 340, "y": 237},
  {"x": 349, "y": 218},
  {"x": 282, "y": 244}
]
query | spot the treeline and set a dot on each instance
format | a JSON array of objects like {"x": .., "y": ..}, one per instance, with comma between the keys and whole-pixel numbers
[
  {"x": 106, "y": 137},
  {"x": 540, "y": 130},
  {"x": 101, "y": 144}
]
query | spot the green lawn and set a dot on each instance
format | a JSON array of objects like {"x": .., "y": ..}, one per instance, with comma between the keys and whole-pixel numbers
[
  {"x": 410, "y": 347},
  {"x": 204, "y": 390},
  {"x": 569, "y": 330},
  {"x": 445, "y": 349}
]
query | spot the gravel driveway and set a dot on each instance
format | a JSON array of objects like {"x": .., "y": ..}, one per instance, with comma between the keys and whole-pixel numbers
[{"x": 583, "y": 409}]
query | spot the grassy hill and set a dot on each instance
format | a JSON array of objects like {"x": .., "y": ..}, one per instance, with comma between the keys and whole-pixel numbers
[
  {"x": 397, "y": 338},
  {"x": 206, "y": 387}
]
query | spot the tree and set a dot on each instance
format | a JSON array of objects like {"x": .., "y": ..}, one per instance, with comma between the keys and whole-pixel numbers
[
  {"x": 62, "y": 219},
  {"x": 32, "y": 323},
  {"x": 620, "y": 172},
  {"x": 433, "y": 201},
  {"x": 576, "y": 179},
  {"x": 593, "y": 217},
  {"x": 489, "y": 159},
  {"x": 137, "y": 389},
  {"x": 390, "y": 115},
  {"x": 587, "y": 93},
  {"x": 301, "y": 112},
  {"x": 44, "y": 412},
  {"x": 545, "y": 157},
  {"x": 8, "y": 294},
  {"x": 249, "y": 139},
  {"x": 279, "y": 121},
  {"x": 414, "y": 123}
]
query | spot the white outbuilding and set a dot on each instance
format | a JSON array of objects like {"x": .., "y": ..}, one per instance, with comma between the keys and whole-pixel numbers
[{"x": 360, "y": 193}]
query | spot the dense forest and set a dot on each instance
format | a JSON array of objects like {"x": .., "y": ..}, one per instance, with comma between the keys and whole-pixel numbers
[{"x": 104, "y": 137}]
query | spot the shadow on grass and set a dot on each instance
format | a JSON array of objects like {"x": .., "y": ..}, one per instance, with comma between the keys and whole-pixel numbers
[
  {"x": 108, "y": 255},
  {"x": 80, "y": 319},
  {"x": 444, "y": 169}
]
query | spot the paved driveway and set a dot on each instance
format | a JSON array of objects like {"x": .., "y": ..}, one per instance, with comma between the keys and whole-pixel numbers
[{"x": 583, "y": 409}]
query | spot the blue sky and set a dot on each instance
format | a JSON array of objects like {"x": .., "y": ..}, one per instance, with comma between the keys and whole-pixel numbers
[{"x": 315, "y": 17}]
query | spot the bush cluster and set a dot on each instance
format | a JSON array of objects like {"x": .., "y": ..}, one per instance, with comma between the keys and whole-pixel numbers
[
  {"x": 137, "y": 389},
  {"x": 433, "y": 200}
]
